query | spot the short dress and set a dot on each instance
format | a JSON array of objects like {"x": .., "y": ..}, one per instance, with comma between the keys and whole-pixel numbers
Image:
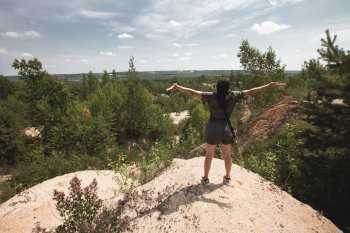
[{"x": 218, "y": 130}]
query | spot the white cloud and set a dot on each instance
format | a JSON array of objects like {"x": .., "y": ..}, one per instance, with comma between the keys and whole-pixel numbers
[
  {"x": 108, "y": 54},
  {"x": 143, "y": 61},
  {"x": 276, "y": 2},
  {"x": 125, "y": 47},
  {"x": 32, "y": 34},
  {"x": 84, "y": 60},
  {"x": 125, "y": 36},
  {"x": 26, "y": 55},
  {"x": 268, "y": 27},
  {"x": 188, "y": 54},
  {"x": 232, "y": 35},
  {"x": 3, "y": 51},
  {"x": 96, "y": 14},
  {"x": 191, "y": 45},
  {"x": 223, "y": 56},
  {"x": 161, "y": 30},
  {"x": 174, "y": 23},
  {"x": 67, "y": 59},
  {"x": 175, "y": 55},
  {"x": 187, "y": 58},
  {"x": 177, "y": 45},
  {"x": 184, "y": 45},
  {"x": 209, "y": 22}
]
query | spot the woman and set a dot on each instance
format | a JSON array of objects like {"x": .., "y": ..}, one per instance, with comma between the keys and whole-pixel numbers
[{"x": 218, "y": 130}]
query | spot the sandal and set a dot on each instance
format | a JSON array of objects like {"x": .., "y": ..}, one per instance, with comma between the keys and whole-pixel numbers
[
  {"x": 205, "y": 181},
  {"x": 227, "y": 180}
]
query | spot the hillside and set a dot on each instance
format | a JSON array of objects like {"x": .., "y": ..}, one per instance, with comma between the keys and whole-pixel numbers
[{"x": 175, "y": 201}]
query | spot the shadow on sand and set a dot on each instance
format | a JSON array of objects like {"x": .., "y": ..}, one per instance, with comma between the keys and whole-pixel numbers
[{"x": 186, "y": 196}]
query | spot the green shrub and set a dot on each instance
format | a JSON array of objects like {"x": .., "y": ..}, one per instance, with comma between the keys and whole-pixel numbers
[
  {"x": 156, "y": 160},
  {"x": 82, "y": 211},
  {"x": 35, "y": 167}
]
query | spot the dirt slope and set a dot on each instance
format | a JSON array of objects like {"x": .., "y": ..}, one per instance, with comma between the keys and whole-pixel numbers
[
  {"x": 267, "y": 123},
  {"x": 176, "y": 202}
]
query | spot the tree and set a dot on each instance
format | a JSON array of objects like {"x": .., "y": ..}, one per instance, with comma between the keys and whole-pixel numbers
[
  {"x": 6, "y": 88},
  {"x": 329, "y": 98},
  {"x": 48, "y": 97},
  {"x": 13, "y": 120},
  {"x": 143, "y": 117},
  {"x": 259, "y": 64},
  {"x": 327, "y": 165},
  {"x": 261, "y": 68}
]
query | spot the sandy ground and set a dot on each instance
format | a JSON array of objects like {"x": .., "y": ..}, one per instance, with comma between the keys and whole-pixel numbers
[
  {"x": 177, "y": 117},
  {"x": 20, "y": 213},
  {"x": 175, "y": 201}
]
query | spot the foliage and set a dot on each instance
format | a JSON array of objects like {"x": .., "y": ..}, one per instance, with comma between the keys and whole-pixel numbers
[
  {"x": 6, "y": 88},
  {"x": 82, "y": 211},
  {"x": 327, "y": 142},
  {"x": 259, "y": 64},
  {"x": 81, "y": 132},
  {"x": 124, "y": 176},
  {"x": 277, "y": 159},
  {"x": 261, "y": 68},
  {"x": 156, "y": 160},
  {"x": 47, "y": 96},
  {"x": 190, "y": 139},
  {"x": 13, "y": 120},
  {"x": 34, "y": 167},
  {"x": 142, "y": 116}
]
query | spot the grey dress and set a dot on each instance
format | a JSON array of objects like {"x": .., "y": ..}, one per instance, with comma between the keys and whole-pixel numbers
[{"x": 218, "y": 129}]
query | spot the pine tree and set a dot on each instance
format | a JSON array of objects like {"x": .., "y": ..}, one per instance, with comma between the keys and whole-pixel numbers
[
  {"x": 329, "y": 98},
  {"x": 327, "y": 156}
]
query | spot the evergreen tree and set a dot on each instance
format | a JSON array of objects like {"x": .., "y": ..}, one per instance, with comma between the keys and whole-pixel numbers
[
  {"x": 329, "y": 97},
  {"x": 327, "y": 161}
]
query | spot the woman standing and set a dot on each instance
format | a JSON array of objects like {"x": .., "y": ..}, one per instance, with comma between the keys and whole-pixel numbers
[{"x": 218, "y": 129}]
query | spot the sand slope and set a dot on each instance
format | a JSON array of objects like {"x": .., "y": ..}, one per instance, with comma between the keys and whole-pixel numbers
[{"x": 176, "y": 202}]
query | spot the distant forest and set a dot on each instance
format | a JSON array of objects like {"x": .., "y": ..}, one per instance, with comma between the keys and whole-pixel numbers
[{"x": 156, "y": 75}]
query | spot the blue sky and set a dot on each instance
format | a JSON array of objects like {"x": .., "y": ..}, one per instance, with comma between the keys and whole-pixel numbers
[{"x": 78, "y": 36}]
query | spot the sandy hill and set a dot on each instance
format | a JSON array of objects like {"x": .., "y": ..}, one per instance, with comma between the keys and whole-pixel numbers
[{"x": 175, "y": 201}]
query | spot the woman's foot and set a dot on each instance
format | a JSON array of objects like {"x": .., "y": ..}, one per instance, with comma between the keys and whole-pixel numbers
[
  {"x": 205, "y": 181},
  {"x": 227, "y": 180}
]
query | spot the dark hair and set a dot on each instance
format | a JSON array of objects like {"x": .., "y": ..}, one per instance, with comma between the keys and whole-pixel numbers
[{"x": 222, "y": 90}]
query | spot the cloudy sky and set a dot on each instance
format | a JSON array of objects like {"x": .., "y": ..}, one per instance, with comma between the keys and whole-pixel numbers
[{"x": 76, "y": 36}]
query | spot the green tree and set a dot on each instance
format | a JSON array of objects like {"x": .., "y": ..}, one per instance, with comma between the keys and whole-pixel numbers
[
  {"x": 6, "y": 87},
  {"x": 81, "y": 133},
  {"x": 327, "y": 141},
  {"x": 259, "y": 64},
  {"x": 13, "y": 120},
  {"x": 261, "y": 68},
  {"x": 48, "y": 97}
]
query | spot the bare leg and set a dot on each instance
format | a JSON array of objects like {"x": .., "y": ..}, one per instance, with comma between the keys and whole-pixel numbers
[
  {"x": 226, "y": 150},
  {"x": 209, "y": 154}
]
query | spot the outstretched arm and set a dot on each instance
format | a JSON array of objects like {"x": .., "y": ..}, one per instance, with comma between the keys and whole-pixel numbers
[
  {"x": 189, "y": 91},
  {"x": 262, "y": 88}
]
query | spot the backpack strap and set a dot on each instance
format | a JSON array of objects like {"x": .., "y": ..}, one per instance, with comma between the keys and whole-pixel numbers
[{"x": 232, "y": 128}]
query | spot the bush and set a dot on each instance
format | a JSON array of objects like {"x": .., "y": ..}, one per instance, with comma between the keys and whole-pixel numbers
[
  {"x": 156, "y": 160},
  {"x": 82, "y": 211},
  {"x": 35, "y": 167},
  {"x": 277, "y": 159}
]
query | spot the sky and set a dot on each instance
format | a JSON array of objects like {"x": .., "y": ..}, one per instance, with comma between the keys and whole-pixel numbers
[{"x": 78, "y": 36}]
